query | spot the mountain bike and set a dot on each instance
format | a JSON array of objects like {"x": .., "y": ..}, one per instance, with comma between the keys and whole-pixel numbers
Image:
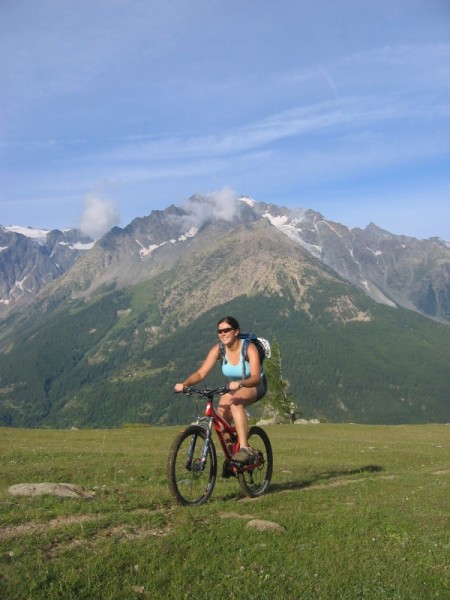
[{"x": 192, "y": 461}]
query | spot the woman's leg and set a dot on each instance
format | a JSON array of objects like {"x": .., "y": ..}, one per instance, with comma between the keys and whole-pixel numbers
[
  {"x": 241, "y": 423},
  {"x": 241, "y": 399},
  {"x": 224, "y": 408},
  {"x": 233, "y": 407}
]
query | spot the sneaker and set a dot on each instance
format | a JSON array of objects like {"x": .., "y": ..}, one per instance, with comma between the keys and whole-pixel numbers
[{"x": 245, "y": 456}]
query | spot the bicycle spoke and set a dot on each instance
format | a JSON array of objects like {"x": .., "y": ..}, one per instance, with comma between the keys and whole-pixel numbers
[
  {"x": 191, "y": 480},
  {"x": 255, "y": 480}
]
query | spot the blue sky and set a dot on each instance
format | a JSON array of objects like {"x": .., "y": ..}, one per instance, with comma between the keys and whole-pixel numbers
[{"x": 112, "y": 108}]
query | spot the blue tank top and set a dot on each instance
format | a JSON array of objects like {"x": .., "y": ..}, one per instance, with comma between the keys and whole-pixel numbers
[{"x": 234, "y": 372}]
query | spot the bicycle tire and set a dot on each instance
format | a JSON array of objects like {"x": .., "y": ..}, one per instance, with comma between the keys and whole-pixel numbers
[
  {"x": 254, "y": 482},
  {"x": 191, "y": 485}
]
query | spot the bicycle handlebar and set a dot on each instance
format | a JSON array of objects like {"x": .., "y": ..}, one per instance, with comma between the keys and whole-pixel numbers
[{"x": 208, "y": 392}]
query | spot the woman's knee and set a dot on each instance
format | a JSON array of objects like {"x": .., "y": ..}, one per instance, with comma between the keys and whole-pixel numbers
[
  {"x": 238, "y": 408},
  {"x": 244, "y": 400},
  {"x": 224, "y": 410}
]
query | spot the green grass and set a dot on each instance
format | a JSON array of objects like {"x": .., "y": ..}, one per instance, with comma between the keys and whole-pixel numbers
[{"x": 365, "y": 512}]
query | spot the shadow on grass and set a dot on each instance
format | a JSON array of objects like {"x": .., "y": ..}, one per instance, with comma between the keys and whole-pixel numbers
[{"x": 322, "y": 477}]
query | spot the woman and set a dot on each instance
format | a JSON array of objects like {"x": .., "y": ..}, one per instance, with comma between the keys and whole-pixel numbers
[{"x": 246, "y": 381}]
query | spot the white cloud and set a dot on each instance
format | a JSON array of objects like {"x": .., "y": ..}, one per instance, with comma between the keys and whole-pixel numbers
[
  {"x": 222, "y": 204},
  {"x": 99, "y": 216}
]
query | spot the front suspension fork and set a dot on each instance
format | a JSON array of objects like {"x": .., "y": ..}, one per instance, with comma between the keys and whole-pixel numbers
[{"x": 206, "y": 423}]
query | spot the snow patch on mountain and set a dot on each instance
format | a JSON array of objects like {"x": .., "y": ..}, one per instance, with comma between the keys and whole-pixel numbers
[
  {"x": 248, "y": 201},
  {"x": 333, "y": 229},
  {"x": 277, "y": 221},
  {"x": 290, "y": 227},
  {"x": 146, "y": 250},
  {"x": 189, "y": 234},
  {"x": 78, "y": 245},
  {"x": 40, "y": 235}
]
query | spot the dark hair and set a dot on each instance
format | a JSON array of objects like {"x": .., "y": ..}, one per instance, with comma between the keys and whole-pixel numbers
[{"x": 231, "y": 321}]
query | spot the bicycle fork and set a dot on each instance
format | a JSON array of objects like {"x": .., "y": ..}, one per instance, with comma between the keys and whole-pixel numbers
[{"x": 206, "y": 423}]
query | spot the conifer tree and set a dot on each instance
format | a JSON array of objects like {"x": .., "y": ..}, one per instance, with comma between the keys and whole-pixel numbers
[{"x": 278, "y": 401}]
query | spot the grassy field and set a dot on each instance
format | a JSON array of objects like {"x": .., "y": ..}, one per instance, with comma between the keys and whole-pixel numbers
[{"x": 363, "y": 513}]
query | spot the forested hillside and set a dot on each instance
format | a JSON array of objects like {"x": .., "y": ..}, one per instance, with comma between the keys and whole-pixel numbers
[{"x": 114, "y": 360}]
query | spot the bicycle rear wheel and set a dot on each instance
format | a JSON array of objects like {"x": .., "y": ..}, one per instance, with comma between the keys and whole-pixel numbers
[
  {"x": 190, "y": 481},
  {"x": 254, "y": 481}
]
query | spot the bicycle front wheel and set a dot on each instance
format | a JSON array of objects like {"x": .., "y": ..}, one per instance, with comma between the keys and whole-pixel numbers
[
  {"x": 191, "y": 479},
  {"x": 255, "y": 480}
]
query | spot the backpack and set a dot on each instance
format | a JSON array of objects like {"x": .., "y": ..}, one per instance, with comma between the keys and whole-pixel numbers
[{"x": 262, "y": 345}]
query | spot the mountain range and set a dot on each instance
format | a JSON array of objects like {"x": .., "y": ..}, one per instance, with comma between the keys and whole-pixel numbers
[
  {"x": 393, "y": 270},
  {"x": 32, "y": 258},
  {"x": 361, "y": 316}
]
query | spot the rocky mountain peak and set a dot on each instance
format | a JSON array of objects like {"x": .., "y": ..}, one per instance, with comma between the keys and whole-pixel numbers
[{"x": 392, "y": 269}]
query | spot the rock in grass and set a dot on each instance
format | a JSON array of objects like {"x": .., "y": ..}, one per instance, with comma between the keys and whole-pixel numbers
[
  {"x": 65, "y": 490},
  {"x": 261, "y": 525}
]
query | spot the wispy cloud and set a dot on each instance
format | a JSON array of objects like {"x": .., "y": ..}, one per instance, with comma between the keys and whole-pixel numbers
[
  {"x": 221, "y": 204},
  {"x": 99, "y": 215},
  {"x": 344, "y": 123}
]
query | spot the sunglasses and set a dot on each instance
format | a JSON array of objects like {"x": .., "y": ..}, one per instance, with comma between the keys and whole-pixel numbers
[{"x": 225, "y": 330}]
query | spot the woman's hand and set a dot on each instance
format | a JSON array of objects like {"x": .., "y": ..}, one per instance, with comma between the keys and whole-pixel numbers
[
  {"x": 235, "y": 385},
  {"x": 179, "y": 387}
]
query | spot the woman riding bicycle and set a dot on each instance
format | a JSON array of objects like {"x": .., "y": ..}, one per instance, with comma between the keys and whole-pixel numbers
[{"x": 246, "y": 381}]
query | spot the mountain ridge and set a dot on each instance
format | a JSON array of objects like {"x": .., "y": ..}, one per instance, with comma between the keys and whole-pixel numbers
[{"x": 391, "y": 269}]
